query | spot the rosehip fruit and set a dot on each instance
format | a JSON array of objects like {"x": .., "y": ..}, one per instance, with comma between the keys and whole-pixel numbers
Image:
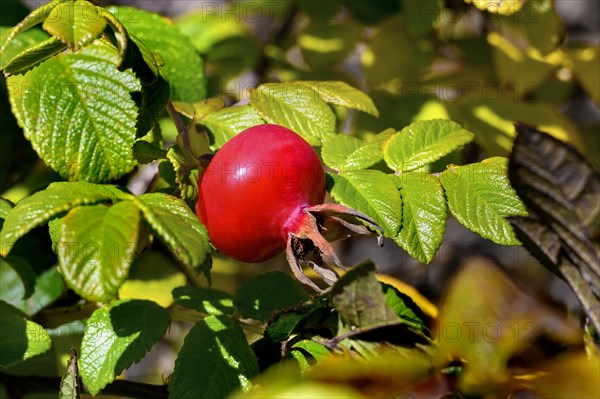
[{"x": 263, "y": 191}]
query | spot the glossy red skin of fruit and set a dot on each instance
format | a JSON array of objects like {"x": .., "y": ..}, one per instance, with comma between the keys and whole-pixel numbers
[{"x": 254, "y": 190}]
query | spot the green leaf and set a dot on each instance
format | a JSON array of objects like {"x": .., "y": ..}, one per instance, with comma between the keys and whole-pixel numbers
[
  {"x": 228, "y": 122},
  {"x": 301, "y": 349},
  {"x": 21, "y": 43},
  {"x": 341, "y": 93},
  {"x": 311, "y": 317},
  {"x": 342, "y": 153},
  {"x": 49, "y": 286},
  {"x": 404, "y": 307},
  {"x": 423, "y": 142},
  {"x": 183, "y": 67},
  {"x": 76, "y": 23},
  {"x": 187, "y": 170},
  {"x": 69, "y": 383},
  {"x": 91, "y": 129},
  {"x": 204, "y": 300},
  {"x": 154, "y": 87},
  {"x": 424, "y": 215},
  {"x": 21, "y": 338},
  {"x": 25, "y": 272},
  {"x": 480, "y": 197},
  {"x": 32, "y": 19},
  {"x": 5, "y": 208},
  {"x": 371, "y": 192},
  {"x": 42, "y": 206},
  {"x": 117, "y": 336},
  {"x": 260, "y": 297},
  {"x": 96, "y": 248},
  {"x": 214, "y": 361},
  {"x": 359, "y": 299},
  {"x": 296, "y": 107},
  {"x": 145, "y": 152},
  {"x": 33, "y": 56},
  {"x": 177, "y": 226}
]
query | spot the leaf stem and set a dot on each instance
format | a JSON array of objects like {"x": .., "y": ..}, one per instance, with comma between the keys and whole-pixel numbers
[{"x": 181, "y": 129}]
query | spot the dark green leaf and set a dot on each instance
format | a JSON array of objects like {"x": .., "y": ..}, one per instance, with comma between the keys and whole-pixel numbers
[
  {"x": 90, "y": 132},
  {"x": 424, "y": 215},
  {"x": 117, "y": 336},
  {"x": 311, "y": 317},
  {"x": 263, "y": 295},
  {"x": 480, "y": 197},
  {"x": 183, "y": 67},
  {"x": 21, "y": 339},
  {"x": 76, "y": 23},
  {"x": 145, "y": 152},
  {"x": 33, "y": 56},
  {"x": 96, "y": 247},
  {"x": 42, "y": 206},
  {"x": 404, "y": 307},
  {"x": 215, "y": 360},
  {"x": 204, "y": 300},
  {"x": 69, "y": 384},
  {"x": 177, "y": 226}
]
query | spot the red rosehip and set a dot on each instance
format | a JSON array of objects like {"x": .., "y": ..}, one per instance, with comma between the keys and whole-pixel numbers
[{"x": 263, "y": 191}]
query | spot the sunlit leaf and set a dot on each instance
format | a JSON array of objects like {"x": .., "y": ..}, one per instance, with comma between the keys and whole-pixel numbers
[
  {"x": 344, "y": 152},
  {"x": 371, "y": 192},
  {"x": 117, "y": 336},
  {"x": 76, "y": 23},
  {"x": 423, "y": 215},
  {"x": 177, "y": 226},
  {"x": 423, "y": 142},
  {"x": 214, "y": 360},
  {"x": 69, "y": 383},
  {"x": 33, "y": 56},
  {"x": 22, "y": 338},
  {"x": 77, "y": 111},
  {"x": 228, "y": 122},
  {"x": 96, "y": 248},
  {"x": 296, "y": 107},
  {"x": 40, "y": 207},
  {"x": 481, "y": 197}
]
